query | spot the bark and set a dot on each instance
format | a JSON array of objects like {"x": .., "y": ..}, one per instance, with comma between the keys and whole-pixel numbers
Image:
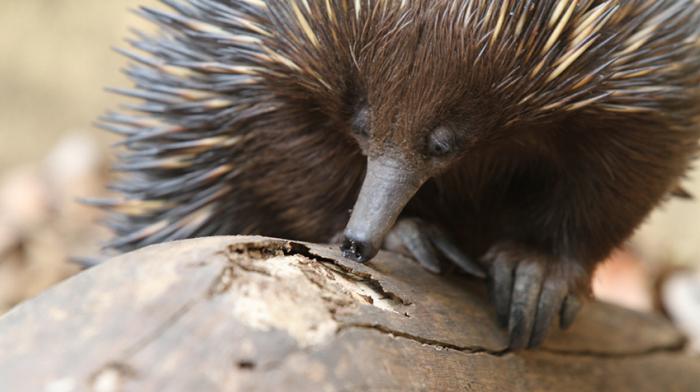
[{"x": 253, "y": 313}]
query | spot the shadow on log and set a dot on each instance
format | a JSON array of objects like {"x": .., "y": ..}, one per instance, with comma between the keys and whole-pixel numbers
[{"x": 252, "y": 313}]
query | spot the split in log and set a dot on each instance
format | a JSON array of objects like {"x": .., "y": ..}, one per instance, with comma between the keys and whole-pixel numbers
[{"x": 253, "y": 313}]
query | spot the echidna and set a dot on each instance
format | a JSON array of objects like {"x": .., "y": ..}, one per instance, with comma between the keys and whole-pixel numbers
[{"x": 531, "y": 137}]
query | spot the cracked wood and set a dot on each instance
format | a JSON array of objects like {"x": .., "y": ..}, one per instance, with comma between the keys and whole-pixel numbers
[{"x": 253, "y": 313}]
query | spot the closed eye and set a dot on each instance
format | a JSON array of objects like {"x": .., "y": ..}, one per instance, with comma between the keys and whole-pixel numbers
[
  {"x": 360, "y": 123},
  {"x": 441, "y": 142}
]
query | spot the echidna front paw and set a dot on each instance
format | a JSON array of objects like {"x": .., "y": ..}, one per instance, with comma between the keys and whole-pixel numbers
[
  {"x": 530, "y": 290},
  {"x": 427, "y": 244}
]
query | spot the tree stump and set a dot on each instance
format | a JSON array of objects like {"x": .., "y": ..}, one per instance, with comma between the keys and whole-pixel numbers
[{"x": 253, "y": 313}]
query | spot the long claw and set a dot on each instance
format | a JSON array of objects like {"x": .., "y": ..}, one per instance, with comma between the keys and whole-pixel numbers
[
  {"x": 442, "y": 241},
  {"x": 419, "y": 246},
  {"x": 530, "y": 289},
  {"x": 427, "y": 244},
  {"x": 551, "y": 300},
  {"x": 526, "y": 291},
  {"x": 569, "y": 311},
  {"x": 502, "y": 289}
]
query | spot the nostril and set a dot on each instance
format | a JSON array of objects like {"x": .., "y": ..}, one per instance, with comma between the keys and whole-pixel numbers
[{"x": 355, "y": 250}]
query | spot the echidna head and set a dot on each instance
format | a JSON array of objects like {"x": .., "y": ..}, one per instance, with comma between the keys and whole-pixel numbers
[
  {"x": 422, "y": 108},
  {"x": 392, "y": 178},
  {"x": 408, "y": 139}
]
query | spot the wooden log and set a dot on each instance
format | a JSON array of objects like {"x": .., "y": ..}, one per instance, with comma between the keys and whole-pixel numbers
[{"x": 253, "y": 313}]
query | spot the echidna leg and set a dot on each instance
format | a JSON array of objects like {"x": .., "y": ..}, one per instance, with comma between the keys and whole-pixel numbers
[
  {"x": 428, "y": 244},
  {"x": 530, "y": 291}
]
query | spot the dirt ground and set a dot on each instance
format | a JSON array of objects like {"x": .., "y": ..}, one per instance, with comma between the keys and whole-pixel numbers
[{"x": 56, "y": 60}]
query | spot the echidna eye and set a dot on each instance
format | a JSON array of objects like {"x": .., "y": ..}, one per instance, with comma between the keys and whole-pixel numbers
[
  {"x": 437, "y": 149},
  {"x": 441, "y": 142},
  {"x": 360, "y": 122}
]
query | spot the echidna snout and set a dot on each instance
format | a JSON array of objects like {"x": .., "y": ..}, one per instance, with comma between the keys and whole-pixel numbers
[{"x": 388, "y": 186}]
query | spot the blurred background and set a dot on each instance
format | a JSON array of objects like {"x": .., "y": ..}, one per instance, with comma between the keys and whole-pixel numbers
[{"x": 55, "y": 60}]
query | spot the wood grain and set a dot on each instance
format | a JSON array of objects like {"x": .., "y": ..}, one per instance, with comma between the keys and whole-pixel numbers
[{"x": 253, "y": 313}]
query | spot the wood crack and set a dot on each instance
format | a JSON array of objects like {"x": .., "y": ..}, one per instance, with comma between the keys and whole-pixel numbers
[
  {"x": 440, "y": 345},
  {"x": 437, "y": 344}
]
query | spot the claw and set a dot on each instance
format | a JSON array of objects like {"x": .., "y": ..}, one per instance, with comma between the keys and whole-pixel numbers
[
  {"x": 529, "y": 291},
  {"x": 526, "y": 291},
  {"x": 426, "y": 243},
  {"x": 502, "y": 289},
  {"x": 422, "y": 251},
  {"x": 442, "y": 241},
  {"x": 569, "y": 311},
  {"x": 551, "y": 300}
]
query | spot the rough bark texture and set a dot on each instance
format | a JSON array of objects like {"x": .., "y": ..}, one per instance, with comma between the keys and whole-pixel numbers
[{"x": 252, "y": 313}]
